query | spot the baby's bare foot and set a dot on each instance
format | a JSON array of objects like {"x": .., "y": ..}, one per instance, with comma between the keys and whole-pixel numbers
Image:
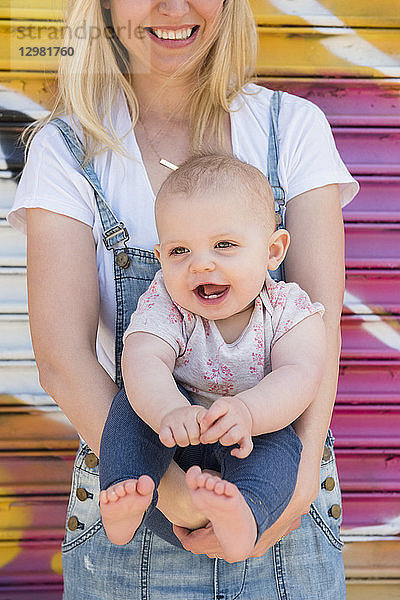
[
  {"x": 223, "y": 504},
  {"x": 122, "y": 507}
]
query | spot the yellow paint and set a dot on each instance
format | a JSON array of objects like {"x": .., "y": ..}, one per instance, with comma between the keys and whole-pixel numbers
[
  {"x": 305, "y": 51},
  {"x": 34, "y": 9},
  {"x": 15, "y": 517},
  {"x": 56, "y": 563},
  {"x": 33, "y": 85},
  {"x": 14, "y": 520},
  {"x": 8, "y": 553},
  {"x": 357, "y": 13},
  {"x": 16, "y": 37}
]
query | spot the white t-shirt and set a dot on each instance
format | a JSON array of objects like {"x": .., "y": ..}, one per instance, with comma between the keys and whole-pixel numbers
[
  {"x": 206, "y": 365},
  {"x": 308, "y": 159}
]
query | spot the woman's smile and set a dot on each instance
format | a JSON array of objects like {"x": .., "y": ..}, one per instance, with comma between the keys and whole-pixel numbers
[{"x": 173, "y": 37}]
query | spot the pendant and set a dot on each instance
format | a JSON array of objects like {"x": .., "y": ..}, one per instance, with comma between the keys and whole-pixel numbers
[{"x": 168, "y": 164}]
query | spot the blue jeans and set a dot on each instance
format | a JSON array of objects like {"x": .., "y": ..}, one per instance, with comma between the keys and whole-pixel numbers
[
  {"x": 148, "y": 568},
  {"x": 266, "y": 478}
]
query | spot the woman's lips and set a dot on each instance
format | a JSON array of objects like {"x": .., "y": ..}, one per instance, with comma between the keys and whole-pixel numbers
[{"x": 172, "y": 43}]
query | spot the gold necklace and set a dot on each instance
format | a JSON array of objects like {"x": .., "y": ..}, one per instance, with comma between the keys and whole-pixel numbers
[{"x": 162, "y": 161}]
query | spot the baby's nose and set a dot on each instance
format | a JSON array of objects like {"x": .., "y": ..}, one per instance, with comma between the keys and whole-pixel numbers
[{"x": 202, "y": 263}]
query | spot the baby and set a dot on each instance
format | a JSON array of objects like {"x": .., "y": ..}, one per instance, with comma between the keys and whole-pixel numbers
[{"x": 249, "y": 350}]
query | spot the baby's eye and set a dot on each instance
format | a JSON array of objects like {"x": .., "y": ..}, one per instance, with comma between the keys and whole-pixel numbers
[
  {"x": 224, "y": 245},
  {"x": 179, "y": 250}
]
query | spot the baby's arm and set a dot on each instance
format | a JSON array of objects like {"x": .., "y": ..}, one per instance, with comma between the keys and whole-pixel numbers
[
  {"x": 297, "y": 361},
  {"x": 147, "y": 365}
]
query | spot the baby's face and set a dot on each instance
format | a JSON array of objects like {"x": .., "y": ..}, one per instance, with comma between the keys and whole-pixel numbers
[{"x": 213, "y": 252}]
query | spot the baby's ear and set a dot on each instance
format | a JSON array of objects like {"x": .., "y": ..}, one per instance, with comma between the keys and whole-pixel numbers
[
  {"x": 277, "y": 247},
  {"x": 157, "y": 251}
]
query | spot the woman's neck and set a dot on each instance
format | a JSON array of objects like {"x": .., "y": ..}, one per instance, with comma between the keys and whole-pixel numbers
[{"x": 162, "y": 98}]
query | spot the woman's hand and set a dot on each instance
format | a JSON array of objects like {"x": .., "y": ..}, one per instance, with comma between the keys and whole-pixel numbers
[{"x": 204, "y": 540}]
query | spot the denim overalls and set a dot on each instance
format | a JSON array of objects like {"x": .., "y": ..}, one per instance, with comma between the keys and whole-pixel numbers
[{"x": 306, "y": 565}]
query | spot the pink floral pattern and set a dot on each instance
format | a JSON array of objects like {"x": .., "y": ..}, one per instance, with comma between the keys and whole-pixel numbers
[
  {"x": 303, "y": 303},
  {"x": 284, "y": 326},
  {"x": 174, "y": 316},
  {"x": 219, "y": 376},
  {"x": 148, "y": 298},
  {"x": 257, "y": 367},
  {"x": 185, "y": 359},
  {"x": 277, "y": 293}
]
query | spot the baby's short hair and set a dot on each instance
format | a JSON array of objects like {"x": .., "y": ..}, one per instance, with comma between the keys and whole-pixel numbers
[{"x": 216, "y": 172}]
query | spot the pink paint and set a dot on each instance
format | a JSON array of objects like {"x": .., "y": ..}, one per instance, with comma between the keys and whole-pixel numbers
[
  {"x": 348, "y": 102},
  {"x": 377, "y": 290},
  {"x": 367, "y": 207},
  {"x": 372, "y": 426},
  {"x": 369, "y": 337},
  {"x": 369, "y": 470},
  {"x": 369, "y": 151},
  {"x": 32, "y": 564},
  {"x": 373, "y": 245},
  {"x": 369, "y": 382},
  {"x": 366, "y": 509}
]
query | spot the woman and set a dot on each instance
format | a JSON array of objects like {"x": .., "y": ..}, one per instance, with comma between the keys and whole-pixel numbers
[{"x": 163, "y": 79}]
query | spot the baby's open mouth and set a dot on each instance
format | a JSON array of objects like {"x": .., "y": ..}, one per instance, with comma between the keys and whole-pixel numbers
[{"x": 211, "y": 291}]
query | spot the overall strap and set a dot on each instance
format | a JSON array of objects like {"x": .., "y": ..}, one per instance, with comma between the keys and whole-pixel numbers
[
  {"x": 114, "y": 231},
  {"x": 273, "y": 160}
]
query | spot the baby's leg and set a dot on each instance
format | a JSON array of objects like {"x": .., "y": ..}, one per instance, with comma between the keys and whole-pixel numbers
[
  {"x": 223, "y": 504},
  {"x": 253, "y": 493},
  {"x": 132, "y": 463}
]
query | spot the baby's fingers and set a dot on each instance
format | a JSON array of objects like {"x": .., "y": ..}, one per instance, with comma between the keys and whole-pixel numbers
[
  {"x": 166, "y": 436},
  {"x": 217, "y": 431},
  {"x": 217, "y": 410},
  {"x": 193, "y": 431},
  {"x": 245, "y": 447}
]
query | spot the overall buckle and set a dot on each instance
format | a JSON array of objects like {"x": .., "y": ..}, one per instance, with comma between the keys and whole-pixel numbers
[{"x": 115, "y": 235}]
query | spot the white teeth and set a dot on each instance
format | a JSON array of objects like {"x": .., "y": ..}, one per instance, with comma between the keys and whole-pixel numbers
[
  {"x": 180, "y": 34},
  {"x": 213, "y": 296}
]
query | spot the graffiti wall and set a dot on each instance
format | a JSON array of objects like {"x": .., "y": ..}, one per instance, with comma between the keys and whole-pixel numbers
[{"x": 345, "y": 57}]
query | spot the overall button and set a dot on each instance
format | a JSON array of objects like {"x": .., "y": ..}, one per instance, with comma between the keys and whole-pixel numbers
[
  {"x": 83, "y": 494},
  {"x": 74, "y": 523},
  {"x": 123, "y": 260},
  {"x": 335, "y": 511},
  {"x": 91, "y": 460},
  {"x": 328, "y": 484},
  {"x": 327, "y": 453}
]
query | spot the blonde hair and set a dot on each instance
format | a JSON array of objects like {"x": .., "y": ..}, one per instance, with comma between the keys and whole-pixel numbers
[
  {"x": 91, "y": 79},
  {"x": 205, "y": 173}
]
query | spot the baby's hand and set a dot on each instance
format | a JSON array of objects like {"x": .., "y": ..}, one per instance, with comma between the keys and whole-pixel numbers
[
  {"x": 229, "y": 421},
  {"x": 181, "y": 426}
]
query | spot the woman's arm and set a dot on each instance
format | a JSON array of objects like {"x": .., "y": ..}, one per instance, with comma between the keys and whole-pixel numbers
[
  {"x": 63, "y": 300},
  {"x": 63, "y": 297},
  {"x": 315, "y": 261}
]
